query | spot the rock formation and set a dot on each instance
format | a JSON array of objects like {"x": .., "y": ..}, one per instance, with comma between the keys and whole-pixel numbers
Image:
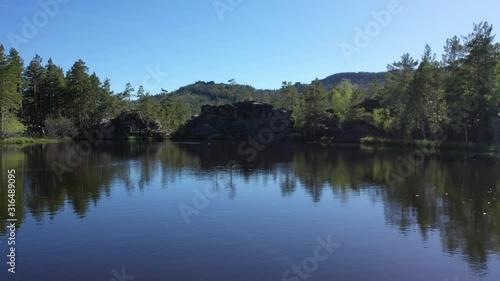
[
  {"x": 128, "y": 124},
  {"x": 239, "y": 121}
]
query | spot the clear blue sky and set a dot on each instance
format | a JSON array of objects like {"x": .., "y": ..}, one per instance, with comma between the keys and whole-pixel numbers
[{"x": 256, "y": 42}]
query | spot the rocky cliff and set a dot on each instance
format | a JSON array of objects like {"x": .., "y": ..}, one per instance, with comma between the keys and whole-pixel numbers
[
  {"x": 239, "y": 121},
  {"x": 128, "y": 124}
]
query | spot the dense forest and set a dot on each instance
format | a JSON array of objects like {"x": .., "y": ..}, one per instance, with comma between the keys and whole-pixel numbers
[
  {"x": 456, "y": 98},
  {"x": 38, "y": 96}
]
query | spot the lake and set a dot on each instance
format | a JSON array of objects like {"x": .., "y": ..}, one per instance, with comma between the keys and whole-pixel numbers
[{"x": 225, "y": 211}]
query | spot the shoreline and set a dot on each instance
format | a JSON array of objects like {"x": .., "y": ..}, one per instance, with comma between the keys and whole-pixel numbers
[
  {"x": 22, "y": 141},
  {"x": 427, "y": 144},
  {"x": 369, "y": 142}
]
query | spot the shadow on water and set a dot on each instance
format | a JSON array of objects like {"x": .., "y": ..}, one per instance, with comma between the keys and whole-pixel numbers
[{"x": 450, "y": 194}]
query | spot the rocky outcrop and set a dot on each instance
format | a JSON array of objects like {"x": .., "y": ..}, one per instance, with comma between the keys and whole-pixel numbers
[
  {"x": 239, "y": 121},
  {"x": 128, "y": 124}
]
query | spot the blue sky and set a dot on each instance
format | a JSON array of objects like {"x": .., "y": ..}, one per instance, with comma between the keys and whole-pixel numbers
[{"x": 256, "y": 42}]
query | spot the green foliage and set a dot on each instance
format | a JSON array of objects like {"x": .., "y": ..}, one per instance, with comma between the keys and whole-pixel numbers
[
  {"x": 346, "y": 100},
  {"x": 480, "y": 61},
  {"x": 415, "y": 100},
  {"x": 370, "y": 140},
  {"x": 11, "y": 67},
  {"x": 455, "y": 96},
  {"x": 21, "y": 141},
  {"x": 12, "y": 126},
  {"x": 383, "y": 120},
  {"x": 397, "y": 94},
  {"x": 33, "y": 103},
  {"x": 202, "y": 93},
  {"x": 310, "y": 113},
  {"x": 493, "y": 98},
  {"x": 174, "y": 113},
  {"x": 428, "y": 104},
  {"x": 288, "y": 96},
  {"x": 360, "y": 79},
  {"x": 149, "y": 106},
  {"x": 53, "y": 91},
  {"x": 60, "y": 128}
]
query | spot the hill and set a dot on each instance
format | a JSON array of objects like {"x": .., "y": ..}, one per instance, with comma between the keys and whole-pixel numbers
[
  {"x": 202, "y": 93},
  {"x": 362, "y": 79}
]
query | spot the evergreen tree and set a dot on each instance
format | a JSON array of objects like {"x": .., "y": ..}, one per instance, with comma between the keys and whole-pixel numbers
[
  {"x": 480, "y": 62},
  {"x": 174, "y": 113},
  {"x": 288, "y": 96},
  {"x": 427, "y": 98},
  {"x": 77, "y": 80},
  {"x": 397, "y": 94},
  {"x": 148, "y": 105},
  {"x": 310, "y": 113},
  {"x": 54, "y": 89},
  {"x": 11, "y": 68},
  {"x": 127, "y": 94},
  {"x": 35, "y": 105},
  {"x": 457, "y": 87},
  {"x": 346, "y": 100}
]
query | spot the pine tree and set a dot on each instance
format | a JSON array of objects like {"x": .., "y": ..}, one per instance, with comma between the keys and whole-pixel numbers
[
  {"x": 77, "y": 80},
  {"x": 148, "y": 105},
  {"x": 457, "y": 87},
  {"x": 174, "y": 113},
  {"x": 310, "y": 113},
  {"x": 288, "y": 96},
  {"x": 35, "y": 105},
  {"x": 397, "y": 94},
  {"x": 346, "y": 100},
  {"x": 480, "y": 61},
  {"x": 427, "y": 97},
  {"x": 11, "y": 68},
  {"x": 54, "y": 89}
]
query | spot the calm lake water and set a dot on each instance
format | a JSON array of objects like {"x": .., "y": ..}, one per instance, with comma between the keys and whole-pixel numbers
[{"x": 179, "y": 211}]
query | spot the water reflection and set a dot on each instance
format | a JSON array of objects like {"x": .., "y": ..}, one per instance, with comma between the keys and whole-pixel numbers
[{"x": 449, "y": 194}]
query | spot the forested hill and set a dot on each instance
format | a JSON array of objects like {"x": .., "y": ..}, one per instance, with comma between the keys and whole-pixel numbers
[
  {"x": 414, "y": 100},
  {"x": 201, "y": 93},
  {"x": 361, "y": 79}
]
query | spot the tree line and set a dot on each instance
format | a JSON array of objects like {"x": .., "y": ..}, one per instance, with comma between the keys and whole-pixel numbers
[
  {"x": 456, "y": 98},
  {"x": 44, "y": 96}
]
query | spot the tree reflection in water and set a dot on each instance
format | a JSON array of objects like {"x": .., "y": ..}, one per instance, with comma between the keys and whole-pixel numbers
[{"x": 453, "y": 195}]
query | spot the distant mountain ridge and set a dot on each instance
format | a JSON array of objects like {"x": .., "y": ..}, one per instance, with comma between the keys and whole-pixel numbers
[
  {"x": 362, "y": 79},
  {"x": 200, "y": 93}
]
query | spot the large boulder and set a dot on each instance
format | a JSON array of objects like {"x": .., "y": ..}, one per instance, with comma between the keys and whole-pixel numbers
[
  {"x": 128, "y": 124},
  {"x": 238, "y": 121}
]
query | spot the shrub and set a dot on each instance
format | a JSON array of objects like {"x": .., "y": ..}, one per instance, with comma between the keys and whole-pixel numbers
[
  {"x": 11, "y": 127},
  {"x": 60, "y": 128}
]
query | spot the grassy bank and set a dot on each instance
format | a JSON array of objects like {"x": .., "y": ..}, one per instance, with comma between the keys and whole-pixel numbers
[
  {"x": 21, "y": 141},
  {"x": 427, "y": 144}
]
